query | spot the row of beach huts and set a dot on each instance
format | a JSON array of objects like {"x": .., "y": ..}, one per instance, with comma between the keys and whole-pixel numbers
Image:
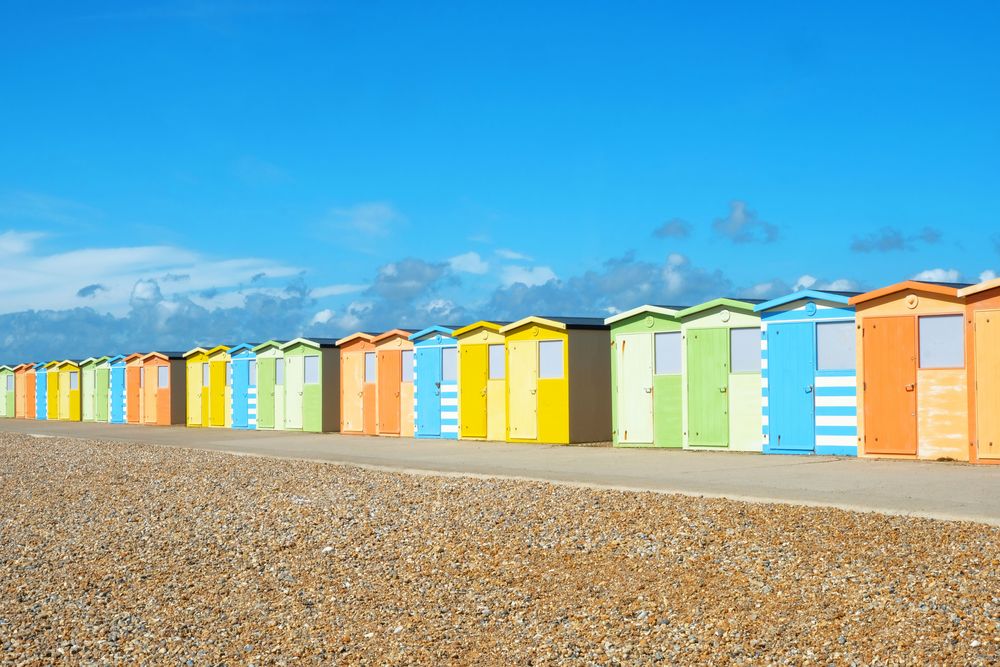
[{"x": 911, "y": 370}]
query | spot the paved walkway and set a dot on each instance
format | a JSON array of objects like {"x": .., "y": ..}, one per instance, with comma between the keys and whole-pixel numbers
[{"x": 933, "y": 489}]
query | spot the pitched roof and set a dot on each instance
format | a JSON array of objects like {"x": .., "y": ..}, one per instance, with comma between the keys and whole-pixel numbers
[
  {"x": 945, "y": 289},
  {"x": 315, "y": 342},
  {"x": 731, "y": 302},
  {"x": 363, "y": 335},
  {"x": 385, "y": 335},
  {"x": 269, "y": 343},
  {"x": 448, "y": 330},
  {"x": 836, "y": 296},
  {"x": 979, "y": 287},
  {"x": 481, "y": 324},
  {"x": 163, "y": 355},
  {"x": 557, "y": 322},
  {"x": 669, "y": 311}
]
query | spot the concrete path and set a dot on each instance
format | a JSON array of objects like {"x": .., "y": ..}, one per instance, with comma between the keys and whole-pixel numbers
[{"x": 932, "y": 489}]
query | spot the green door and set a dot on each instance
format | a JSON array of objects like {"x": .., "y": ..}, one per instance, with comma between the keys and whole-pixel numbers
[
  {"x": 265, "y": 392},
  {"x": 312, "y": 394},
  {"x": 708, "y": 387},
  {"x": 102, "y": 379}
]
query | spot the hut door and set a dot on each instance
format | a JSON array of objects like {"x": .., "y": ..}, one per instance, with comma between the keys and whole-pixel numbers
[
  {"x": 635, "y": 388},
  {"x": 241, "y": 392},
  {"x": 295, "y": 377},
  {"x": 708, "y": 387},
  {"x": 428, "y": 390},
  {"x": 132, "y": 401},
  {"x": 390, "y": 380},
  {"x": 217, "y": 393},
  {"x": 523, "y": 389},
  {"x": 151, "y": 390},
  {"x": 473, "y": 382},
  {"x": 890, "y": 385},
  {"x": 791, "y": 376},
  {"x": 987, "y": 343},
  {"x": 88, "y": 394},
  {"x": 193, "y": 394},
  {"x": 265, "y": 392},
  {"x": 352, "y": 390}
]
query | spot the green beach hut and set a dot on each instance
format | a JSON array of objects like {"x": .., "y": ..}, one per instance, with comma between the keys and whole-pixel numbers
[
  {"x": 270, "y": 385},
  {"x": 7, "y": 392},
  {"x": 94, "y": 388},
  {"x": 312, "y": 384}
]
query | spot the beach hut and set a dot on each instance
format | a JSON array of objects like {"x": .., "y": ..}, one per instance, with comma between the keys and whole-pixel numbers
[
  {"x": 207, "y": 388},
  {"x": 52, "y": 391},
  {"x": 163, "y": 388},
  {"x": 394, "y": 386},
  {"x": 982, "y": 354},
  {"x": 312, "y": 373},
  {"x": 913, "y": 399},
  {"x": 134, "y": 385},
  {"x": 41, "y": 391},
  {"x": 117, "y": 396},
  {"x": 270, "y": 385},
  {"x": 558, "y": 380},
  {"x": 24, "y": 387},
  {"x": 808, "y": 374},
  {"x": 7, "y": 392},
  {"x": 221, "y": 378},
  {"x": 102, "y": 389},
  {"x": 358, "y": 378},
  {"x": 646, "y": 362},
  {"x": 721, "y": 375},
  {"x": 434, "y": 375},
  {"x": 92, "y": 393},
  {"x": 482, "y": 387},
  {"x": 243, "y": 383},
  {"x": 70, "y": 403}
]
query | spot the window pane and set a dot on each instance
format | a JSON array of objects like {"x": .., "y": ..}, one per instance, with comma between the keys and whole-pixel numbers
[
  {"x": 279, "y": 371},
  {"x": 10, "y": 382},
  {"x": 942, "y": 341},
  {"x": 835, "y": 346},
  {"x": 449, "y": 364},
  {"x": 162, "y": 377},
  {"x": 667, "y": 353},
  {"x": 370, "y": 367},
  {"x": 497, "y": 369},
  {"x": 744, "y": 350},
  {"x": 312, "y": 369},
  {"x": 407, "y": 365},
  {"x": 550, "y": 359},
  {"x": 253, "y": 372},
  {"x": 74, "y": 380},
  {"x": 204, "y": 376},
  {"x": 229, "y": 374}
]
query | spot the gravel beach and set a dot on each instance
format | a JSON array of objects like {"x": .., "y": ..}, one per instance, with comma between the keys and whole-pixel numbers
[{"x": 128, "y": 553}]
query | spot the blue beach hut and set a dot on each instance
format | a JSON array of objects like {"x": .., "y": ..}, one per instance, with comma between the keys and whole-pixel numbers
[
  {"x": 435, "y": 383},
  {"x": 41, "y": 391},
  {"x": 244, "y": 369},
  {"x": 808, "y": 374},
  {"x": 116, "y": 389}
]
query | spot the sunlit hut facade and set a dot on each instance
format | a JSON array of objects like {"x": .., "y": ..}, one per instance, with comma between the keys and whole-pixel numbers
[
  {"x": 808, "y": 374},
  {"x": 558, "y": 380},
  {"x": 244, "y": 385},
  {"x": 482, "y": 387},
  {"x": 646, "y": 353},
  {"x": 270, "y": 385},
  {"x": 24, "y": 391},
  {"x": 913, "y": 399},
  {"x": 7, "y": 392},
  {"x": 982, "y": 359},
  {"x": 117, "y": 395},
  {"x": 134, "y": 382},
  {"x": 312, "y": 375},
  {"x": 41, "y": 391},
  {"x": 394, "y": 392},
  {"x": 94, "y": 385},
  {"x": 721, "y": 375},
  {"x": 52, "y": 391},
  {"x": 163, "y": 388},
  {"x": 206, "y": 370},
  {"x": 358, "y": 381},
  {"x": 70, "y": 399},
  {"x": 435, "y": 382}
]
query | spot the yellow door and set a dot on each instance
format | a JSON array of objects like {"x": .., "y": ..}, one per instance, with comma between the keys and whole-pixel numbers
[
  {"x": 52, "y": 395},
  {"x": 473, "y": 391},
  {"x": 64, "y": 395},
  {"x": 353, "y": 391},
  {"x": 522, "y": 380},
  {"x": 75, "y": 405},
  {"x": 217, "y": 390},
  {"x": 194, "y": 394},
  {"x": 988, "y": 384}
]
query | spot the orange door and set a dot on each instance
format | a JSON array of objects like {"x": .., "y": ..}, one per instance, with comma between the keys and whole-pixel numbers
[
  {"x": 890, "y": 385},
  {"x": 162, "y": 380},
  {"x": 29, "y": 388},
  {"x": 149, "y": 402},
  {"x": 987, "y": 341},
  {"x": 390, "y": 381},
  {"x": 132, "y": 374}
]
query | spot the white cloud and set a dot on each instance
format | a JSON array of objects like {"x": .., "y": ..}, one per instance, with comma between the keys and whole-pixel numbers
[
  {"x": 368, "y": 218},
  {"x": 336, "y": 290},
  {"x": 939, "y": 275},
  {"x": 805, "y": 281},
  {"x": 524, "y": 275},
  {"x": 469, "y": 262},
  {"x": 17, "y": 243},
  {"x": 988, "y": 274},
  {"x": 511, "y": 254},
  {"x": 322, "y": 317}
]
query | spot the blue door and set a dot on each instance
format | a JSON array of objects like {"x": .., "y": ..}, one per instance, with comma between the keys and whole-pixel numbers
[
  {"x": 241, "y": 391},
  {"x": 791, "y": 372},
  {"x": 427, "y": 389},
  {"x": 117, "y": 400},
  {"x": 41, "y": 392}
]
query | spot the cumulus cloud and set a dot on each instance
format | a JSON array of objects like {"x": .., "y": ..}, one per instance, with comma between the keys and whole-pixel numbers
[
  {"x": 742, "y": 225},
  {"x": 469, "y": 262},
  {"x": 526, "y": 275},
  {"x": 939, "y": 275},
  {"x": 807, "y": 281},
  {"x": 890, "y": 239},
  {"x": 674, "y": 228},
  {"x": 988, "y": 274},
  {"x": 89, "y": 291},
  {"x": 13, "y": 242}
]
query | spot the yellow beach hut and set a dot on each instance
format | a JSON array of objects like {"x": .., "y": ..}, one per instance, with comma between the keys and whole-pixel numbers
[
  {"x": 558, "y": 380},
  {"x": 70, "y": 400},
  {"x": 207, "y": 371},
  {"x": 52, "y": 391},
  {"x": 482, "y": 384}
]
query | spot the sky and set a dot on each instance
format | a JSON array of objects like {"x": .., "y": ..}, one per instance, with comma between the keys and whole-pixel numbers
[{"x": 181, "y": 173}]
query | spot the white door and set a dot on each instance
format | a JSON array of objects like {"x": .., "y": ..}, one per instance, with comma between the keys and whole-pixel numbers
[{"x": 635, "y": 388}]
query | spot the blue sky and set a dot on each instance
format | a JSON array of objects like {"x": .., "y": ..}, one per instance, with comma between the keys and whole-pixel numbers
[{"x": 181, "y": 172}]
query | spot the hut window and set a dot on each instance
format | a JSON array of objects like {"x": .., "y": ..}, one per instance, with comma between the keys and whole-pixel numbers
[
  {"x": 497, "y": 369},
  {"x": 311, "y": 369},
  {"x": 162, "y": 377},
  {"x": 205, "y": 380},
  {"x": 667, "y": 350},
  {"x": 407, "y": 365},
  {"x": 252, "y": 372},
  {"x": 449, "y": 364},
  {"x": 10, "y": 382},
  {"x": 835, "y": 346},
  {"x": 744, "y": 350},
  {"x": 550, "y": 359},
  {"x": 942, "y": 343},
  {"x": 370, "y": 367},
  {"x": 74, "y": 380},
  {"x": 229, "y": 374},
  {"x": 279, "y": 371}
]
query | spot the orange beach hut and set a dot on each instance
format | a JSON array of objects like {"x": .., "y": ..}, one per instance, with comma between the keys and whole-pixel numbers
[
  {"x": 357, "y": 383},
  {"x": 982, "y": 359},
  {"x": 395, "y": 382}
]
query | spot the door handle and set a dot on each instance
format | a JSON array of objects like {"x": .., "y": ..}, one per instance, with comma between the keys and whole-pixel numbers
[
  {"x": 910, "y": 387},
  {"x": 809, "y": 389},
  {"x": 723, "y": 389},
  {"x": 648, "y": 390},
  {"x": 533, "y": 391},
  {"x": 483, "y": 392},
  {"x": 397, "y": 394}
]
